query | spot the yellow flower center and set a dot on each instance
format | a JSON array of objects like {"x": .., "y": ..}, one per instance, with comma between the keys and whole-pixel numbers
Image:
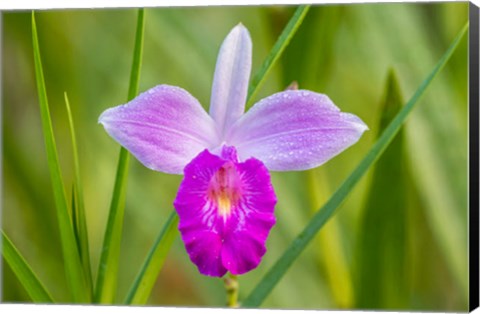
[
  {"x": 224, "y": 204},
  {"x": 224, "y": 189}
]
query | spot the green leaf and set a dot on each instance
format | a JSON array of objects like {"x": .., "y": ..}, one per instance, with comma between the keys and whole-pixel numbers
[
  {"x": 331, "y": 255},
  {"x": 24, "y": 273},
  {"x": 109, "y": 260},
  {"x": 78, "y": 206},
  {"x": 273, "y": 276},
  {"x": 277, "y": 50},
  {"x": 145, "y": 279},
  {"x": 73, "y": 266},
  {"x": 311, "y": 55},
  {"x": 382, "y": 250},
  {"x": 73, "y": 214},
  {"x": 137, "y": 55}
]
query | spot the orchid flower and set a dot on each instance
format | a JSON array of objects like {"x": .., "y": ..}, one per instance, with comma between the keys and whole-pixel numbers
[{"x": 226, "y": 200}]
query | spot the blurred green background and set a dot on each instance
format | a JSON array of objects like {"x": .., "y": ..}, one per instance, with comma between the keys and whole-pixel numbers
[{"x": 398, "y": 242}]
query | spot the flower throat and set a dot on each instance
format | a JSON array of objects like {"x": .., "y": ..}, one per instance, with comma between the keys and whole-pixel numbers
[{"x": 224, "y": 188}]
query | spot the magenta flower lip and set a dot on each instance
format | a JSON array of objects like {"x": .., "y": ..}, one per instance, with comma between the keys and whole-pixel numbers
[
  {"x": 226, "y": 211},
  {"x": 226, "y": 200}
]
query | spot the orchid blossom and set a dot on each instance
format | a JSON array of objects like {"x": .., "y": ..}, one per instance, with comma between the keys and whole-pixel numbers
[{"x": 226, "y": 201}]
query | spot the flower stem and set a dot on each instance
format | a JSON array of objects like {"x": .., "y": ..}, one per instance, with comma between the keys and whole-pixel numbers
[{"x": 231, "y": 287}]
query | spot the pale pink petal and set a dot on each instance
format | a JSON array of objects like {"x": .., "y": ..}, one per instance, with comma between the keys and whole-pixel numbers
[
  {"x": 294, "y": 130},
  {"x": 164, "y": 128}
]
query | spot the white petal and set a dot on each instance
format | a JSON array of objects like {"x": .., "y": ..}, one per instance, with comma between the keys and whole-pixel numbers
[{"x": 230, "y": 81}]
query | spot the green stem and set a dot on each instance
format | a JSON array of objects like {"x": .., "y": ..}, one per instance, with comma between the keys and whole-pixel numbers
[{"x": 232, "y": 288}]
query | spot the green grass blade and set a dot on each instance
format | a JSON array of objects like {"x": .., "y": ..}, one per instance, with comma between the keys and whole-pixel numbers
[
  {"x": 109, "y": 260},
  {"x": 137, "y": 55},
  {"x": 145, "y": 279},
  {"x": 332, "y": 266},
  {"x": 108, "y": 266},
  {"x": 73, "y": 212},
  {"x": 273, "y": 276},
  {"x": 277, "y": 50},
  {"x": 24, "y": 273},
  {"x": 78, "y": 206},
  {"x": 73, "y": 267},
  {"x": 311, "y": 56},
  {"x": 381, "y": 252}
]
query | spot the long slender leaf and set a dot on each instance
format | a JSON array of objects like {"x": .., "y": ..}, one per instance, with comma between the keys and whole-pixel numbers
[
  {"x": 382, "y": 251},
  {"x": 145, "y": 279},
  {"x": 109, "y": 260},
  {"x": 73, "y": 267},
  {"x": 273, "y": 276},
  {"x": 137, "y": 55},
  {"x": 80, "y": 223},
  {"x": 277, "y": 50},
  {"x": 311, "y": 55},
  {"x": 24, "y": 273},
  {"x": 439, "y": 174},
  {"x": 333, "y": 265},
  {"x": 73, "y": 214}
]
